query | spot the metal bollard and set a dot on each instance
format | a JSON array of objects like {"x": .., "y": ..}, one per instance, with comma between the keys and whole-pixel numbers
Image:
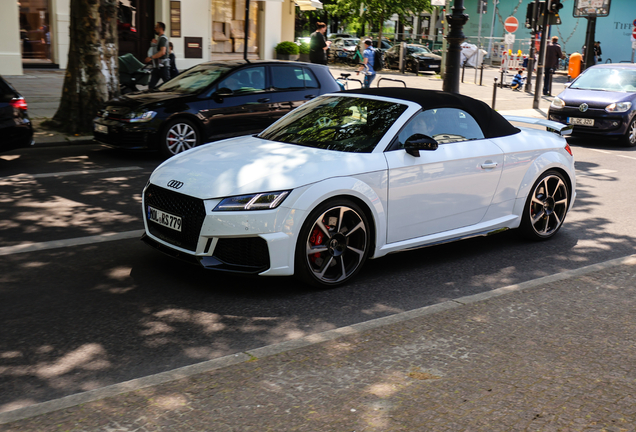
[
  {"x": 501, "y": 79},
  {"x": 463, "y": 70},
  {"x": 481, "y": 75},
  {"x": 494, "y": 94}
]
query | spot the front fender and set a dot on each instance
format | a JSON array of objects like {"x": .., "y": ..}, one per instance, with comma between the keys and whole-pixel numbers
[{"x": 370, "y": 190}]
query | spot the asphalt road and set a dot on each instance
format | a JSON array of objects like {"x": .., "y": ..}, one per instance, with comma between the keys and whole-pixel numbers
[{"x": 80, "y": 314}]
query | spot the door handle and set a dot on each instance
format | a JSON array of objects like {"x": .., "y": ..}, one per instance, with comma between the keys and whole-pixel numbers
[
  {"x": 489, "y": 165},
  {"x": 310, "y": 96},
  {"x": 263, "y": 100}
]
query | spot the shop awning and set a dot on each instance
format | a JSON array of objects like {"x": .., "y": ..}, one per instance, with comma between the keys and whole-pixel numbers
[{"x": 308, "y": 4}]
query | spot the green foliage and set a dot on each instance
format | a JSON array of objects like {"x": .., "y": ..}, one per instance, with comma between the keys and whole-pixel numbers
[
  {"x": 287, "y": 47},
  {"x": 304, "y": 48}
]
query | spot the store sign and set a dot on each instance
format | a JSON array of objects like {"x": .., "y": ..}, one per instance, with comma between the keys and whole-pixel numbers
[{"x": 587, "y": 8}]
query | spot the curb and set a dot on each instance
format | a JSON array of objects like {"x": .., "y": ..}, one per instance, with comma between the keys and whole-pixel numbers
[{"x": 270, "y": 350}]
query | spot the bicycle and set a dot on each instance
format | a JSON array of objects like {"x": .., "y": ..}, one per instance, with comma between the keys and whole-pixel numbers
[{"x": 343, "y": 81}]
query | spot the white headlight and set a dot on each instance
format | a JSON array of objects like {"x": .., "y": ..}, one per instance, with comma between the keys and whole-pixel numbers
[
  {"x": 260, "y": 201},
  {"x": 142, "y": 116},
  {"x": 618, "y": 107},
  {"x": 557, "y": 103}
]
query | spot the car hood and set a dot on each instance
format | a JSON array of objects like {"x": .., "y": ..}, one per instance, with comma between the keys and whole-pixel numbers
[
  {"x": 145, "y": 99},
  {"x": 594, "y": 98},
  {"x": 246, "y": 165},
  {"x": 427, "y": 56}
]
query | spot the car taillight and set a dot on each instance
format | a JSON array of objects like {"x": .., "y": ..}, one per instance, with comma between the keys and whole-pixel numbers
[
  {"x": 19, "y": 103},
  {"x": 568, "y": 149}
]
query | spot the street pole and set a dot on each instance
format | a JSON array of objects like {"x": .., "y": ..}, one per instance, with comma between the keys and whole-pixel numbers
[
  {"x": 444, "y": 15},
  {"x": 492, "y": 29},
  {"x": 455, "y": 37},
  {"x": 588, "y": 61},
  {"x": 544, "y": 43},
  {"x": 247, "y": 29},
  {"x": 531, "y": 54}
]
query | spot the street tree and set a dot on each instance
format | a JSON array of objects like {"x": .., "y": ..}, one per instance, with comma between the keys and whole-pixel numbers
[
  {"x": 378, "y": 11},
  {"x": 91, "y": 74}
]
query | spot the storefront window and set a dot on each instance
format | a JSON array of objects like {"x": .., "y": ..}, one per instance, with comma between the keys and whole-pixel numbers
[
  {"x": 35, "y": 32},
  {"x": 228, "y": 27}
]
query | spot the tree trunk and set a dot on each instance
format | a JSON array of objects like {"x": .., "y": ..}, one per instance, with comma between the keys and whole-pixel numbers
[
  {"x": 92, "y": 72},
  {"x": 380, "y": 31}
]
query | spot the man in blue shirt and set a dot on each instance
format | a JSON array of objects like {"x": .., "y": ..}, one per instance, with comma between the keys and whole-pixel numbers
[{"x": 369, "y": 59}]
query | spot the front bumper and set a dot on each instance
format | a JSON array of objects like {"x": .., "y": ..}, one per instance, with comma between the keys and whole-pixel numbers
[
  {"x": 134, "y": 136},
  {"x": 429, "y": 65},
  {"x": 605, "y": 123},
  {"x": 250, "y": 242}
]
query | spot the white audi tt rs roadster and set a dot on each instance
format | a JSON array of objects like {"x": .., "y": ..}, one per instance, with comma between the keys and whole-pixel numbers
[{"x": 356, "y": 175}]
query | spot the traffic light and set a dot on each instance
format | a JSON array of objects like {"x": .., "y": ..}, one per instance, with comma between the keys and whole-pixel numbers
[
  {"x": 554, "y": 6},
  {"x": 530, "y": 15}
]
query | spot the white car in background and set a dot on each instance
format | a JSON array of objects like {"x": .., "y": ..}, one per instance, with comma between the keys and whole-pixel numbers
[{"x": 356, "y": 175}]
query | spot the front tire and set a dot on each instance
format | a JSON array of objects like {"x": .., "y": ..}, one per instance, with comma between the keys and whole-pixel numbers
[
  {"x": 629, "y": 139},
  {"x": 333, "y": 244},
  {"x": 546, "y": 207},
  {"x": 178, "y": 136}
]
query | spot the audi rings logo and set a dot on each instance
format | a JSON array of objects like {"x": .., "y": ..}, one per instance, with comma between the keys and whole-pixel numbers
[
  {"x": 583, "y": 107},
  {"x": 175, "y": 184}
]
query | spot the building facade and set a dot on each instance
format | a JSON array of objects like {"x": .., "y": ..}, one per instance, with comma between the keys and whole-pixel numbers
[{"x": 36, "y": 32}]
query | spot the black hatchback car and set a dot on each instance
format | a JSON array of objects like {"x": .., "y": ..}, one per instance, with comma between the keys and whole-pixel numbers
[
  {"x": 15, "y": 127},
  {"x": 208, "y": 102},
  {"x": 418, "y": 58}
]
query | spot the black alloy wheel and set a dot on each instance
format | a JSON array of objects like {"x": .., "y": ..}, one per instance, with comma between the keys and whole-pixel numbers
[
  {"x": 333, "y": 244},
  {"x": 546, "y": 207}
]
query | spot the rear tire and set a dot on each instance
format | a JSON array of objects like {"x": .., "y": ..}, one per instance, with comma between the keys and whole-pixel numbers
[
  {"x": 178, "y": 136},
  {"x": 546, "y": 207},
  {"x": 333, "y": 244},
  {"x": 629, "y": 139}
]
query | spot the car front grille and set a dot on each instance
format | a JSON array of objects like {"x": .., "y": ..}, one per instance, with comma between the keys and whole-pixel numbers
[
  {"x": 191, "y": 210},
  {"x": 245, "y": 252}
]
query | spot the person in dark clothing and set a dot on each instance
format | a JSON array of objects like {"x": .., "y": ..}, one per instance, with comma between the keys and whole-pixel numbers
[
  {"x": 553, "y": 54},
  {"x": 318, "y": 45},
  {"x": 597, "y": 52},
  {"x": 173, "y": 63}
]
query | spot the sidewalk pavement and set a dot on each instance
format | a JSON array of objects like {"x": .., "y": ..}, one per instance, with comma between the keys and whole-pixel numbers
[
  {"x": 42, "y": 89},
  {"x": 553, "y": 354}
]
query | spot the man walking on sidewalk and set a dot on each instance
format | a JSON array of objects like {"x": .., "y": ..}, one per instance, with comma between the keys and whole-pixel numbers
[
  {"x": 552, "y": 56},
  {"x": 159, "y": 59}
]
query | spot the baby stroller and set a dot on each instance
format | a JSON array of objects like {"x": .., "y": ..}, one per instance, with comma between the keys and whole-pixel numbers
[{"x": 131, "y": 73}]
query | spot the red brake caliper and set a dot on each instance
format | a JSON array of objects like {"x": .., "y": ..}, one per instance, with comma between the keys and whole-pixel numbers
[{"x": 317, "y": 236}]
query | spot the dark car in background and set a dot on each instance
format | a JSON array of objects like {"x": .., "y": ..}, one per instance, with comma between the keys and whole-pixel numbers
[
  {"x": 16, "y": 129},
  {"x": 600, "y": 102},
  {"x": 418, "y": 58},
  {"x": 210, "y": 101}
]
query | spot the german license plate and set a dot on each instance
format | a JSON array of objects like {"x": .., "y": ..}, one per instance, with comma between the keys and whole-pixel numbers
[
  {"x": 580, "y": 121},
  {"x": 101, "y": 128},
  {"x": 165, "y": 219}
]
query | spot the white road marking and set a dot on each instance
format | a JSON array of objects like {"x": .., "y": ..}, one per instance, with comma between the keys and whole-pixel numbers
[
  {"x": 54, "y": 244},
  {"x": 4, "y": 181}
]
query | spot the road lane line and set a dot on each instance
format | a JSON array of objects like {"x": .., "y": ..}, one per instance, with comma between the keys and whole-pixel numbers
[
  {"x": 22, "y": 177},
  {"x": 277, "y": 348},
  {"x": 54, "y": 244}
]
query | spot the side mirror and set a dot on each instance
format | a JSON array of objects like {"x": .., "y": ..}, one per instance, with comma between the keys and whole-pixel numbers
[
  {"x": 417, "y": 142},
  {"x": 221, "y": 93}
]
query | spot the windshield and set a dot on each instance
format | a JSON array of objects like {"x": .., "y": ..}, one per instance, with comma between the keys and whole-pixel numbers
[
  {"x": 195, "y": 79},
  {"x": 418, "y": 50},
  {"x": 623, "y": 80},
  {"x": 347, "y": 124}
]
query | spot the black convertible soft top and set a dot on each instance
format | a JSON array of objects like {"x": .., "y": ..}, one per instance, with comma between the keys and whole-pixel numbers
[{"x": 492, "y": 124}]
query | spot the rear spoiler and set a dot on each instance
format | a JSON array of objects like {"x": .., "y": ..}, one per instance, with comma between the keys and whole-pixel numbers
[{"x": 552, "y": 126}]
